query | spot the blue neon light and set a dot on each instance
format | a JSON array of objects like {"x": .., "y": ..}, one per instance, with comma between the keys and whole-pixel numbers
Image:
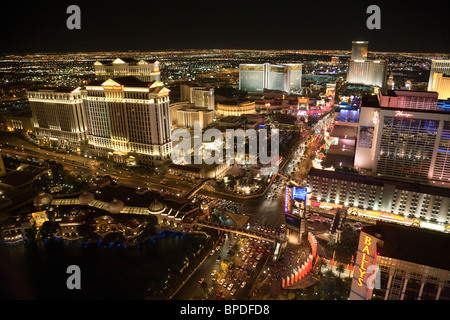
[{"x": 299, "y": 193}]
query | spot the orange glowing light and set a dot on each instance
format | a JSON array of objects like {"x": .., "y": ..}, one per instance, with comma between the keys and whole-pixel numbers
[
  {"x": 303, "y": 100},
  {"x": 164, "y": 94},
  {"x": 365, "y": 252},
  {"x": 112, "y": 87}
]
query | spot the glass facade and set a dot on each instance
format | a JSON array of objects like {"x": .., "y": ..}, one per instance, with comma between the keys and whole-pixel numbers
[
  {"x": 278, "y": 77},
  {"x": 251, "y": 77},
  {"x": 367, "y": 72},
  {"x": 441, "y": 170},
  {"x": 295, "y": 79},
  {"x": 257, "y": 77},
  {"x": 402, "y": 280},
  {"x": 407, "y": 147},
  {"x": 360, "y": 50}
]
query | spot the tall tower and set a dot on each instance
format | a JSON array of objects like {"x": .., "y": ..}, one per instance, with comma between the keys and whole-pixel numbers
[
  {"x": 364, "y": 71},
  {"x": 391, "y": 83},
  {"x": 360, "y": 50}
]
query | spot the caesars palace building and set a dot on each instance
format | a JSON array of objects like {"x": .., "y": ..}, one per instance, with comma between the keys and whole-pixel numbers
[
  {"x": 124, "y": 115},
  {"x": 121, "y": 118}
]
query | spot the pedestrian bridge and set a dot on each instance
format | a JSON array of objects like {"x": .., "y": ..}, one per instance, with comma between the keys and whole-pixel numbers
[
  {"x": 244, "y": 232},
  {"x": 195, "y": 189}
]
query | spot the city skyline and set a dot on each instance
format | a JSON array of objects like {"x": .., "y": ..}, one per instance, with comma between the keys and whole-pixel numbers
[{"x": 192, "y": 151}]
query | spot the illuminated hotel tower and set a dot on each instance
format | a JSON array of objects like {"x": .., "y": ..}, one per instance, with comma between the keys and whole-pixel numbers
[
  {"x": 257, "y": 77},
  {"x": 128, "y": 120},
  {"x": 364, "y": 71},
  {"x": 405, "y": 134},
  {"x": 441, "y": 84},
  {"x": 442, "y": 66},
  {"x": 144, "y": 70},
  {"x": 359, "y": 50},
  {"x": 57, "y": 116}
]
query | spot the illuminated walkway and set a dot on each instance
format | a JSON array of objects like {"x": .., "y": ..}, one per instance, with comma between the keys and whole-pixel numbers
[{"x": 248, "y": 233}]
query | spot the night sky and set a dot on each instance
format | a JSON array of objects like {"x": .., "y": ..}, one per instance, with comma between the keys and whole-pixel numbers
[{"x": 40, "y": 26}]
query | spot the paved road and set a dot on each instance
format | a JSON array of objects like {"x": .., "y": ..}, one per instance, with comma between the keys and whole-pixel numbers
[{"x": 192, "y": 289}]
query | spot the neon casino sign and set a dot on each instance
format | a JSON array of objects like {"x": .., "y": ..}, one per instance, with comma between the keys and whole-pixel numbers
[
  {"x": 402, "y": 114},
  {"x": 365, "y": 252},
  {"x": 288, "y": 203}
]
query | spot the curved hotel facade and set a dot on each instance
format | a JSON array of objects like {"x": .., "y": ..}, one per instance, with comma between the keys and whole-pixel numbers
[
  {"x": 257, "y": 77},
  {"x": 364, "y": 71},
  {"x": 367, "y": 72},
  {"x": 235, "y": 108}
]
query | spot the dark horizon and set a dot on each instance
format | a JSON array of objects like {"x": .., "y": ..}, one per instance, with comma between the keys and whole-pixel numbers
[{"x": 410, "y": 27}]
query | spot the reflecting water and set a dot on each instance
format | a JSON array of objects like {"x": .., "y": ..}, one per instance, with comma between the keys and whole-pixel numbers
[{"x": 38, "y": 270}]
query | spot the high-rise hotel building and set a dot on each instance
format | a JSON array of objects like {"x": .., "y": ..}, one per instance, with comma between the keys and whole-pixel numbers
[
  {"x": 58, "y": 116},
  {"x": 394, "y": 262},
  {"x": 200, "y": 96},
  {"x": 442, "y": 66},
  {"x": 441, "y": 85},
  {"x": 402, "y": 157},
  {"x": 360, "y": 50},
  {"x": 144, "y": 70},
  {"x": 257, "y": 77},
  {"x": 405, "y": 135},
  {"x": 364, "y": 71},
  {"x": 128, "y": 118},
  {"x": 379, "y": 198}
]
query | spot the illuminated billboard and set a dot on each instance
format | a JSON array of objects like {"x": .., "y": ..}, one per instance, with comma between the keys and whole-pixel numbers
[
  {"x": 299, "y": 193},
  {"x": 295, "y": 205},
  {"x": 288, "y": 200}
]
